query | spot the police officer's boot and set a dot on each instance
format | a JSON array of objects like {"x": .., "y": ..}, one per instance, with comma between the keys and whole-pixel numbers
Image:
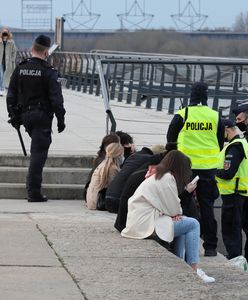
[
  {"x": 33, "y": 191},
  {"x": 39, "y": 198},
  {"x": 36, "y": 196}
]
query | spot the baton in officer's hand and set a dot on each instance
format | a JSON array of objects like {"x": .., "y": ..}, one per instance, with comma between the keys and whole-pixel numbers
[{"x": 20, "y": 137}]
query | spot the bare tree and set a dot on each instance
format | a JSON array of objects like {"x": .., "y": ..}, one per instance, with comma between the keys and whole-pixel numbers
[{"x": 241, "y": 22}]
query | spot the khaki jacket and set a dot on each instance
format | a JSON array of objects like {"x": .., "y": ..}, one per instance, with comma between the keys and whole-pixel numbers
[{"x": 94, "y": 186}]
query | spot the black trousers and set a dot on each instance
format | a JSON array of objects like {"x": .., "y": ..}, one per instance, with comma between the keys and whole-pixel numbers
[
  {"x": 233, "y": 220},
  {"x": 207, "y": 192},
  {"x": 38, "y": 124}
]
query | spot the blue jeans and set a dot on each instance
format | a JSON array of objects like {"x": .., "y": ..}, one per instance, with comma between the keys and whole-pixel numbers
[{"x": 187, "y": 239}]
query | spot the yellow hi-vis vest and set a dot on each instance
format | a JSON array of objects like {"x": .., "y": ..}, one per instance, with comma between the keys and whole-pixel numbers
[
  {"x": 198, "y": 137},
  {"x": 239, "y": 183}
]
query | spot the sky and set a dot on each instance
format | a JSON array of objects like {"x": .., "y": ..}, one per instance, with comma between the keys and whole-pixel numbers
[{"x": 221, "y": 13}]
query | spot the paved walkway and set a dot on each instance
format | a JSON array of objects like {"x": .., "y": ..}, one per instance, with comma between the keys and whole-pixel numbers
[
  {"x": 86, "y": 125},
  {"x": 60, "y": 250}
]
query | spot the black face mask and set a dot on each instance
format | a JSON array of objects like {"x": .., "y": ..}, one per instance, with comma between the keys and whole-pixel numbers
[
  {"x": 5, "y": 34},
  {"x": 242, "y": 127},
  {"x": 127, "y": 151}
]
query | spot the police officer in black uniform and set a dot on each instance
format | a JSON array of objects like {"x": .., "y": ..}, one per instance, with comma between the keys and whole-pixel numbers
[{"x": 34, "y": 96}]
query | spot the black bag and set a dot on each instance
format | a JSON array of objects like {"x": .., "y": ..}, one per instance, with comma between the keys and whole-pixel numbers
[{"x": 101, "y": 200}]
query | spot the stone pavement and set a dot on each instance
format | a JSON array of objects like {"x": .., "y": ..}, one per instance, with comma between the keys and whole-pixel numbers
[
  {"x": 86, "y": 125},
  {"x": 60, "y": 250}
]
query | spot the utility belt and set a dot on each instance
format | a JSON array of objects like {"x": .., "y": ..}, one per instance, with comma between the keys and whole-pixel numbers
[
  {"x": 38, "y": 106},
  {"x": 237, "y": 190}
]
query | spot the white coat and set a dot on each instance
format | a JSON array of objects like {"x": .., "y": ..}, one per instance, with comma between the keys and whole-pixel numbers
[
  {"x": 151, "y": 208},
  {"x": 10, "y": 57}
]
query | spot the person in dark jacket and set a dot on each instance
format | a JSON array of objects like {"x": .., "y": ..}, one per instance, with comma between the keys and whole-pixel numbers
[
  {"x": 34, "y": 96},
  {"x": 132, "y": 163},
  {"x": 199, "y": 132},
  {"x": 127, "y": 142}
]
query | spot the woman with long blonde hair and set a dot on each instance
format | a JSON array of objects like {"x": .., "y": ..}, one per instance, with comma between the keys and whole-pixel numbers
[{"x": 104, "y": 173}]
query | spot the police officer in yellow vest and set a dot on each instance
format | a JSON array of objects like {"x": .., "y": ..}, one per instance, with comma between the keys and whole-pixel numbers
[
  {"x": 232, "y": 177},
  {"x": 200, "y": 135},
  {"x": 241, "y": 114}
]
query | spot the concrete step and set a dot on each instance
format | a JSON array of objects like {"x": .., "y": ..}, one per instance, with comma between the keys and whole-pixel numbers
[
  {"x": 63, "y": 161},
  {"x": 52, "y": 191},
  {"x": 50, "y": 175}
]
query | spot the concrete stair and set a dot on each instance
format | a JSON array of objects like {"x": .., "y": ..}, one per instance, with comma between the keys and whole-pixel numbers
[{"x": 64, "y": 177}]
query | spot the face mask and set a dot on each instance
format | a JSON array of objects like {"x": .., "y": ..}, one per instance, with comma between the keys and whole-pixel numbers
[
  {"x": 127, "y": 151},
  {"x": 242, "y": 127},
  {"x": 5, "y": 34},
  {"x": 121, "y": 160}
]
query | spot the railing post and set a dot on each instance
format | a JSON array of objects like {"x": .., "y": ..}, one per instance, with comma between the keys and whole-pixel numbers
[
  {"x": 235, "y": 90},
  {"x": 161, "y": 89},
  {"x": 105, "y": 94},
  {"x": 186, "y": 89},
  {"x": 149, "y": 92},
  {"x": 130, "y": 86},
  {"x": 217, "y": 89},
  {"x": 140, "y": 93},
  {"x": 171, "y": 108},
  {"x": 121, "y": 84}
]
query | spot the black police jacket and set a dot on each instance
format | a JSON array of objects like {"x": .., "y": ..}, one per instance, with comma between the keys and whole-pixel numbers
[
  {"x": 34, "y": 83},
  {"x": 131, "y": 164}
]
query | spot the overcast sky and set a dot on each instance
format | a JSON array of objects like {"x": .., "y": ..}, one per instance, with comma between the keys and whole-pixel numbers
[{"x": 221, "y": 13}]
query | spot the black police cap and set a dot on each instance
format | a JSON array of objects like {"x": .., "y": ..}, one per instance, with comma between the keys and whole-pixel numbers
[
  {"x": 240, "y": 109},
  {"x": 199, "y": 93},
  {"x": 228, "y": 123},
  {"x": 43, "y": 40},
  {"x": 199, "y": 88}
]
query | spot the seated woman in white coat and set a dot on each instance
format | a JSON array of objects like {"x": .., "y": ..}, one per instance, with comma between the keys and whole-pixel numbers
[
  {"x": 104, "y": 173},
  {"x": 155, "y": 208}
]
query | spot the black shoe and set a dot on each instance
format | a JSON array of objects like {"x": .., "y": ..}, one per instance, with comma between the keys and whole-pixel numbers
[
  {"x": 41, "y": 198},
  {"x": 210, "y": 252}
]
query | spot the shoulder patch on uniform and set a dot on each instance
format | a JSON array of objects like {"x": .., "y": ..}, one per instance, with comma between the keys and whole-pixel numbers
[{"x": 24, "y": 61}]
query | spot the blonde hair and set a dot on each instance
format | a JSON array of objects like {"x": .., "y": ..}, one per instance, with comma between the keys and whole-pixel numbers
[
  {"x": 158, "y": 148},
  {"x": 113, "y": 152},
  {"x": 10, "y": 36}
]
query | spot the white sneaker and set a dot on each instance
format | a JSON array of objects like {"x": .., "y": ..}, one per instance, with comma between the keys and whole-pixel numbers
[{"x": 204, "y": 276}]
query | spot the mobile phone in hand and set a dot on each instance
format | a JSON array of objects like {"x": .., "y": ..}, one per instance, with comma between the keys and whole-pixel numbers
[{"x": 195, "y": 180}]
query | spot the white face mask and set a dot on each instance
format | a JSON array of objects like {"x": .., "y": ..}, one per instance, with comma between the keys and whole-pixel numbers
[{"x": 121, "y": 159}]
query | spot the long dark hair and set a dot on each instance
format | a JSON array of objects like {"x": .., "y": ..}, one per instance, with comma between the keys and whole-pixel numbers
[{"x": 179, "y": 165}]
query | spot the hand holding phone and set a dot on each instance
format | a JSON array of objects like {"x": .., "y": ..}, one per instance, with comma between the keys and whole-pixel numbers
[{"x": 195, "y": 180}]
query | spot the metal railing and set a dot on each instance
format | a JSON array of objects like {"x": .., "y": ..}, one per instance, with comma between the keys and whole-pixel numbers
[{"x": 162, "y": 82}]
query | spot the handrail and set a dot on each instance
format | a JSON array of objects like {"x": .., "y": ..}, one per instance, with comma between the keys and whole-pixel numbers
[
  {"x": 152, "y": 80},
  {"x": 106, "y": 98}
]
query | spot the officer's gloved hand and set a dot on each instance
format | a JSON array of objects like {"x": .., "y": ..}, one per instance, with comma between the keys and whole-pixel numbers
[
  {"x": 61, "y": 126},
  {"x": 15, "y": 122}
]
